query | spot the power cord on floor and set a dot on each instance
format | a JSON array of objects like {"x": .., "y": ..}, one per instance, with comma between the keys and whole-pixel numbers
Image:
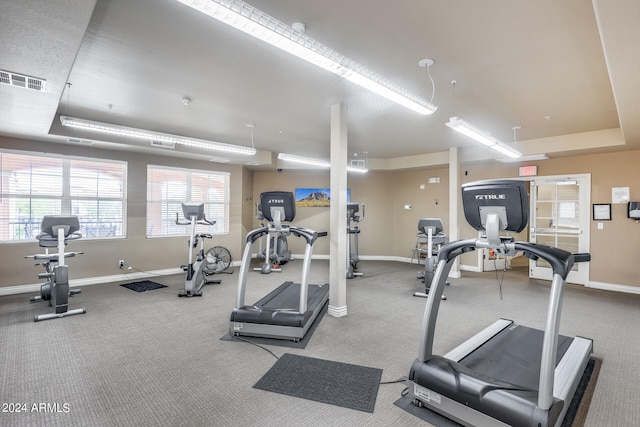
[
  {"x": 257, "y": 345},
  {"x": 500, "y": 280},
  {"x": 128, "y": 267},
  {"x": 399, "y": 380},
  {"x": 404, "y": 392}
]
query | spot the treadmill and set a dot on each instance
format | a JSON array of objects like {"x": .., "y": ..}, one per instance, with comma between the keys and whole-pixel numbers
[
  {"x": 507, "y": 374},
  {"x": 289, "y": 310}
]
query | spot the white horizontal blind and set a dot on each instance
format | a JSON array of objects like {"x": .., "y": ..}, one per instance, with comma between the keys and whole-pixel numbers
[
  {"x": 34, "y": 185},
  {"x": 168, "y": 187}
]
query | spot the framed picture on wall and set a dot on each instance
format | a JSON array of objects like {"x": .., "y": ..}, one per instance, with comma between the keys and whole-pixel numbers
[
  {"x": 602, "y": 211},
  {"x": 315, "y": 197}
]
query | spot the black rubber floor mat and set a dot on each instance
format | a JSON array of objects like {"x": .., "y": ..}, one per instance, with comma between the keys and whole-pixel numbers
[{"x": 142, "y": 286}]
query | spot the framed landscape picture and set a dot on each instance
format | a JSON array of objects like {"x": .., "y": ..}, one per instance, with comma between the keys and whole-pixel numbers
[{"x": 314, "y": 197}]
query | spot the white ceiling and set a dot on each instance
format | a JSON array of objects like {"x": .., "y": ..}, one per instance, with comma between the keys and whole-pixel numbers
[{"x": 567, "y": 72}]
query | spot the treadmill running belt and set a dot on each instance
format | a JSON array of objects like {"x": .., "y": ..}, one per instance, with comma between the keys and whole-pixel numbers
[
  {"x": 280, "y": 307},
  {"x": 287, "y": 297},
  {"x": 513, "y": 356}
]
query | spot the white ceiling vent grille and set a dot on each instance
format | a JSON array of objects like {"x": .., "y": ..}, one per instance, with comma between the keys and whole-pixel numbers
[
  {"x": 359, "y": 163},
  {"x": 163, "y": 144},
  {"x": 19, "y": 80}
]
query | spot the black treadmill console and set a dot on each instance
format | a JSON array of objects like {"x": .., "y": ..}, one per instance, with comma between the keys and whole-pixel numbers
[
  {"x": 506, "y": 198},
  {"x": 352, "y": 208},
  {"x": 274, "y": 201}
]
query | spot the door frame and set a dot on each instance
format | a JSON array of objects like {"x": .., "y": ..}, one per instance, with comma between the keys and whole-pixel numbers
[{"x": 581, "y": 275}]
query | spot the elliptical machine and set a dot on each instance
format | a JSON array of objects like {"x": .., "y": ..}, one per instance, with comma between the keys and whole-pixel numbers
[
  {"x": 355, "y": 219},
  {"x": 277, "y": 250},
  {"x": 197, "y": 272},
  {"x": 55, "y": 231}
]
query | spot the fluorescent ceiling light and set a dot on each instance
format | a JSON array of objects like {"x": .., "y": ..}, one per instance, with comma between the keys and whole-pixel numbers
[
  {"x": 530, "y": 158},
  {"x": 316, "y": 162},
  {"x": 482, "y": 137},
  {"x": 357, "y": 169},
  {"x": 147, "y": 135},
  {"x": 304, "y": 160},
  {"x": 258, "y": 24}
]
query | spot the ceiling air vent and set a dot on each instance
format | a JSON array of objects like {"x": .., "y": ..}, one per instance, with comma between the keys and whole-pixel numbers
[
  {"x": 19, "y": 80},
  {"x": 163, "y": 144},
  {"x": 359, "y": 163}
]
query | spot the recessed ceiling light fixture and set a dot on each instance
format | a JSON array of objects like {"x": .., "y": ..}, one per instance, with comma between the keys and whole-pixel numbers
[
  {"x": 147, "y": 135},
  {"x": 481, "y": 136},
  {"x": 258, "y": 24},
  {"x": 316, "y": 162}
]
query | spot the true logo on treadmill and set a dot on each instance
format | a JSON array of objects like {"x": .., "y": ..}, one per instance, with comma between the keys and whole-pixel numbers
[
  {"x": 491, "y": 196},
  {"x": 276, "y": 200}
]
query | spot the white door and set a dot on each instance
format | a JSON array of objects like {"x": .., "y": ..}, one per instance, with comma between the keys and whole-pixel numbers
[{"x": 560, "y": 214}]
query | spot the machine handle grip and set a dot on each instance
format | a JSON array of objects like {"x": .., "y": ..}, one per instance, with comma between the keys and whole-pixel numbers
[
  {"x": 178, "y": 222},
  {"x": 582, "y": 257}
]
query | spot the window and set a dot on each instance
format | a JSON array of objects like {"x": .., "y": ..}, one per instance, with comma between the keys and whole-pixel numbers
[
  {"x": 33, "y": 185},
  {"x": 168, "y": 187}
]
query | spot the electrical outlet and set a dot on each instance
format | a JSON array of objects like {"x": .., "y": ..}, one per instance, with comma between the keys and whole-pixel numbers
[{"x": 121, "y": 264}]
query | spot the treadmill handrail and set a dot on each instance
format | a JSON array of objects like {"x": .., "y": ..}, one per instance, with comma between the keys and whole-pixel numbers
[
  {"x": 310, "y": 237},
  {"x": 561, "y": 261},
  {"x": 308, "y": 234},
  {"x": 254, "y": 235}
]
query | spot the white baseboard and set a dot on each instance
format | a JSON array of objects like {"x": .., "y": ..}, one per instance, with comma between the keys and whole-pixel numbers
[
  {"x": 614, "y": 287},
  {"x": 97, "y": 280},
  {"x": 77, "y": 283},
  {"x": 333, "y": 311},
  {"x": 474, "y": 268}
]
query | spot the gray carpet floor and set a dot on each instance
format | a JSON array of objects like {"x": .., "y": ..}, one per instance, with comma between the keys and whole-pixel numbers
[{"x": 153, "y": 359}]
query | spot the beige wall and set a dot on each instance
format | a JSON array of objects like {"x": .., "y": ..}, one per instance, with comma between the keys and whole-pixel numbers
[
  {"x": 432, "y": 202},
  {"x": 388, "y": 230},
  {"x": 313, "y": 218},
  {"x": 613, "y": 249},
  {"x": 101, "y": 256}
]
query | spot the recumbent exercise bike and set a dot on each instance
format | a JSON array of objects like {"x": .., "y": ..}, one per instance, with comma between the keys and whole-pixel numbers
[
  {"x": 55, "y": 231},
  {"x": 431, "y": 230}
]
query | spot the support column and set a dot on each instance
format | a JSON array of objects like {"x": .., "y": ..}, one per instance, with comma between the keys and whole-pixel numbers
[
  {"x": 454, "y": 204},
  {"x": 338, "y": 213}
]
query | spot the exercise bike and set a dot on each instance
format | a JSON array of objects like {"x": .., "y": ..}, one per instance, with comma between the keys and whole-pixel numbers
[
  {"x": 277, "y": 250},
  {"x": 56, "y": 231},
  {"x": 215, "y": 260},
  {"x": 354, "y": 258},
  {"x": 432, "y": 230}
]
